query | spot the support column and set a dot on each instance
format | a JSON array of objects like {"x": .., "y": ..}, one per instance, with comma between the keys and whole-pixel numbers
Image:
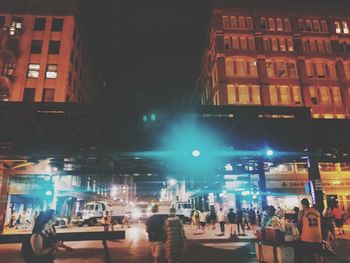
[
  {"x": 4, "y": 193},
  {"x": 315, "y": 183},
  {"x": 262, "y": 183}
]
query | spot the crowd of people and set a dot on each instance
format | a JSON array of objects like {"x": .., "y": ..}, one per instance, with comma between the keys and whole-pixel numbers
[{"x": 22, "y": 220}]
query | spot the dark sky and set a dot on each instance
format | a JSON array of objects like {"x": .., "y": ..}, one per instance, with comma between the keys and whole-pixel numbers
[{"x": 149, "y": 51}]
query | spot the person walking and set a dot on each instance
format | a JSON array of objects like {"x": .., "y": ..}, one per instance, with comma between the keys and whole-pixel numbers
[
  {"x": 156, "y": 235},
  {"x": 311, "y": 236},
  {"x": 231, "y": 218},
  {"x": 39, "y": 247},
  {"x": 328, "y": 227},
  {"x": 339, "y": 219},
  {"x": 175, "y": 239},
  {"x": 213, "y": 217},
  {"x": 239, "y": 222},
  {"x": 245, "y": 219},
  {"x": 222, "y": 221},
  {"x": 203, "y": 219}
]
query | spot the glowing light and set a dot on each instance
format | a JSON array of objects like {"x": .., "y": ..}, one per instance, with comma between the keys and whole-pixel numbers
[
  {"x": 48, "y": 193},
  {"x": 228, "y": 167},
  {"x": 196, "y": 153},
  {"x": 172, "y": 182},
  {"x": 269, "y": 152},
  {"x": 153, "y": 117}
]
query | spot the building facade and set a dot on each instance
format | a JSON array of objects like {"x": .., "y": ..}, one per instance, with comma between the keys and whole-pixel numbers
[
  {"x": 44, "y": 53},
  {"x": 278, "y": 55}
]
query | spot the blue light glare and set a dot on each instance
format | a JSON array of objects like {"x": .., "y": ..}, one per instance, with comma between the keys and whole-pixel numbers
[
  {"x": 153, "y": 117},
  {"x": 48, "y": 193}
]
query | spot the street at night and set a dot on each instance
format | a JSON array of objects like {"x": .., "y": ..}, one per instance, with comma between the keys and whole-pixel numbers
[{"x": 188, "y": 131}]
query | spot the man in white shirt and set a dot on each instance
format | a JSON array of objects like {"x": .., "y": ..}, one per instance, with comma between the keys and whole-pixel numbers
[{"x": 222, "y": 220}]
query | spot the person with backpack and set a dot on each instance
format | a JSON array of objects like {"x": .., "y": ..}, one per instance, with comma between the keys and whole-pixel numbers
[
  {"x": 155, "y": 230},
  {"x": 40, "y": 247}
]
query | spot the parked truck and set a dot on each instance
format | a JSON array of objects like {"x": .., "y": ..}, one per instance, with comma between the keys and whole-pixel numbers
[
  {"x": 94, "y": 211},
  {"x": 183, "y": 210}
]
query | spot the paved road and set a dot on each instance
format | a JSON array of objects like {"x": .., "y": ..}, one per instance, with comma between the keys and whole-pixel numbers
[{"x": 203, "y": 248}]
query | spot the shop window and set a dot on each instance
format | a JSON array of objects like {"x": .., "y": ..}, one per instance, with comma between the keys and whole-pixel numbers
[
  {"x": 54, "y": 47},
  {"x": 39, "y": 24},
  {"x": 57, "y": 24},
  {"x": 345, "y": 167},
  {"x": 33, "y": 70},
  {"x": 48, "y": 95},
  {"x": 302, "y": 167},
  {"x": 29, "y": 95},
  {"x": 327, "y": 167},
  {"x": 36, "y": 46},
  {"x": 51, "y": 71}
]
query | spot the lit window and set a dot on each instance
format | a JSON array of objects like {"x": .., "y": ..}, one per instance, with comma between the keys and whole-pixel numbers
[
  {"x": 229, "y": 67},
  {"x": 51, "y": 71},
  {"x": 255, "y": 94},
  {"x": 16, "y": 25},
  {"x": 249, "y": 21},
  {"x": 233, "y": 20},
  {"x": 279, "y": 24},
  {"x": 337, "y": 27},
  {"x": 324, "y": 26},
  {"x": 263, "y": 23},
  {"x": 345, "y": 27},
  {"x": 225, "y": 23},
  {"x": 316, "y": 26},
  {"x": 33, "y": 70},
  {"x": 274, "y": 44},
  {"x": 336, "y": 95},
  {"x": 284, "y": 92},
  {"x": 296, "y": 94},
  {"x": 290, "y": 45},
  {"x": 243, "y": 94},
  {"x": 244, "y": 44},
  {"x": 291, "y": 70},
  {"x": 227, "y": 43},
  {"x": 308, "y": 25},
  {"x": 271, "y": 23},
  {"x": 324, "y": 95},
  {"x": 241, "y": 22},
  {"x": 235, "y": 43},
  {"x": 283, "y": 46},
  {"x": 9, "y": 69},
  {"x": 231, "y": 94},
  {"x": 273, "y": 95},
  {"x": 287, "y": 24},
  {"x": 313, "y": 95}
]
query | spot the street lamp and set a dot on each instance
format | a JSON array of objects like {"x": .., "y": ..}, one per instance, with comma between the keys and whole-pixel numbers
[{"x": 196, "y": 153}]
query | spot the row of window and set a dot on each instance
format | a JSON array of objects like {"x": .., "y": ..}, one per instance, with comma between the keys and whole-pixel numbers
[
  {"x": 277, "y": 44},
  {"x": 48, "y": 95},
  {"x": 34, "y": 69},
  {"x": 283, "y": 24},
  {"x": 37, "y": 45},
  {"x": 282, "y": 94},
  {"x": 280, "y": 68}
]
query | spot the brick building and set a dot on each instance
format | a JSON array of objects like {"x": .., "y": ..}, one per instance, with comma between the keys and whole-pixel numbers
[
  {"x": 278, "y": 54},
  {"x": 44, "y": 55}
]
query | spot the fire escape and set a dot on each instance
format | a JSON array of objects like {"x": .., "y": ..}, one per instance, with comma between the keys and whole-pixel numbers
[{"x": 9, "y": 53}]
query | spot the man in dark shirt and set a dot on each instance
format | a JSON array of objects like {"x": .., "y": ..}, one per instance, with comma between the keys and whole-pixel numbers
[
  {"x": 231, "y": 218},
  {"x": 155, "y": 230}
]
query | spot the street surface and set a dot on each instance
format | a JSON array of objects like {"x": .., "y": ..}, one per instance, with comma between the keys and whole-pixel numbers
[{"x": 205, "y": 247}]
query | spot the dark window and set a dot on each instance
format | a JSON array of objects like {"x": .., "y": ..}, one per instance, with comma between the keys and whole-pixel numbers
[
  {"x": 48, "y": 95},
  {"x": 2, "y": 21},
  {"x": 29, "y": 94},
  {"x": 57, "y": 24},
  {"x": 39, "y": 24},
  {"x": 36, "y": 46},
  {"x": 54, "y": 47}
]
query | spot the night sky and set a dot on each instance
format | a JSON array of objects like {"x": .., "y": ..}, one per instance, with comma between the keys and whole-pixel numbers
[{"x": 149, "y": 51}]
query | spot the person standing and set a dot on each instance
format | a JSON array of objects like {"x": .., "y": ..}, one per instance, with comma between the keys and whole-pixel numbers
[
  {"x": 231, "y": 218},
  {"x": 222, "y": 221},
  {"x": 156, "y": 235},
  {"x": 245, "y": 219},
  {"x": 328, "y": 227},
  {"x": 311, "y": 236},
  {"x": 174, "y": 237},
  {"x": 106, "y": 221}
]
